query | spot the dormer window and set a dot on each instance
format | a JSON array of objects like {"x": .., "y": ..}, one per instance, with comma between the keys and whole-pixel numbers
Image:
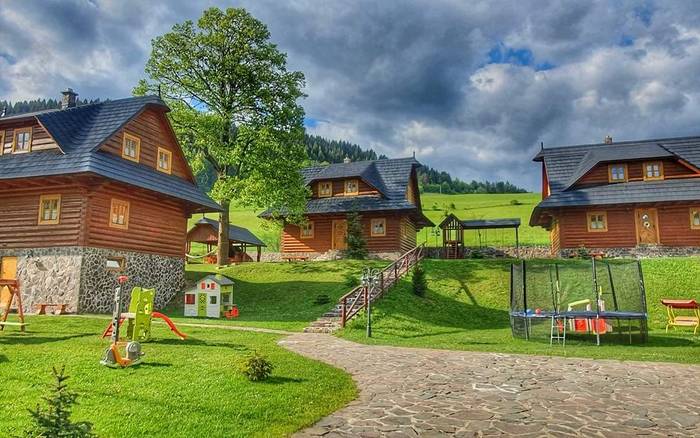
[
  {"x": 653, "y": 170},
  {"x": 2, "y": 141},
  {"x": 22, "y": 142},
  {"x": 352, "y": 187},
  {"x": 325, "y": 189},
  {"x": 131, "y": 147},
  {"x": 165, "y": 160},
  {"x": 617, "y": 173}
]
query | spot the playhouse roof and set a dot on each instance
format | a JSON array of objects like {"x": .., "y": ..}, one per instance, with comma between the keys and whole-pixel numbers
[{"x": 221, "y": 280}]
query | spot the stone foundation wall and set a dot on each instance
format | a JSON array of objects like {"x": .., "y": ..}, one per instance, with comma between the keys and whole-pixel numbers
[
  {"x": 525, "y": 252},
  {"x": 642, "y": 251},
  {"x": 78, "y": 277},
  {"x": 323, "y": 256}
]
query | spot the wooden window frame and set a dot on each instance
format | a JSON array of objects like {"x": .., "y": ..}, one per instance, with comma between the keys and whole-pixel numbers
[
  {"x": 610, "y": 178},
  {"x": 371, "y": 227},
  {"x": 320, "y": 191},
  {"x": 43, "y": 221},
  {"x": 169, "y": 154},
  {"x": 2, "y": 141},
  {"x": 311, "y": 226},
  {"x": 18, "y": 131},
  {"x": 137, "y": 140},
  {"x": 345, "y": 187},
  {"x": 119, "y": 260},
  {"x": 653, "y": 178},
  {"x": 590, "y": 214},
  {"x": 115, "y": 202},
  {"x": 691, "y": 211}
]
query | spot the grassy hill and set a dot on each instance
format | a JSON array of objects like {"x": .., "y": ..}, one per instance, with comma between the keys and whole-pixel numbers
[{"x": 471, "y": 206}]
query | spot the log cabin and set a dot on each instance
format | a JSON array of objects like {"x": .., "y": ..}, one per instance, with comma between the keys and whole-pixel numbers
[
  {"x": 631, "y": 197},
  {"x": 384, "y": 193},
  {"x": 92, "y": 190}
]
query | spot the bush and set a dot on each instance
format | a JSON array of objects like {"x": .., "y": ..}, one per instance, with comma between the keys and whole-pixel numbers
[
  {"x": 476, "y": 254},
  {"x": 54, "y": 420},
  {"x": 322, "y": 299},
  {"x": 257, "y": 368},
  {"x": 582, "y": 252},
  {"x": 351, "y": 280},
  {"x": 419, "y": 281},
  {"x": 515, "y": 202}
]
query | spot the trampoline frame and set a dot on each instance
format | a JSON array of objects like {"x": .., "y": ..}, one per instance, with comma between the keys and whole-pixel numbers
[{"x": 557, "y": 314}]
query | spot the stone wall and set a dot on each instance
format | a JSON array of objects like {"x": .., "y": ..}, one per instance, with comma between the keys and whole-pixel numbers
[
  {"x": 641, "y": 251},
  {"x": 323, "y": 256},
  {"x": 525, "y": 252},
  {"x": 78, "y": 277}
]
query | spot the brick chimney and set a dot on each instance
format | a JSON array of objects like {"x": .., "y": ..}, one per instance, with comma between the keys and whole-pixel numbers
[
  {"x": 347, "y": 160},
  {"x": 68, "y": 100},
  {"x": 608, "y": 139}
]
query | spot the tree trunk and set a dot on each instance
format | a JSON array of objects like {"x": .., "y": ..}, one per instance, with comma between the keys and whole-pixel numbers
[{"x": 222, "y": 250}]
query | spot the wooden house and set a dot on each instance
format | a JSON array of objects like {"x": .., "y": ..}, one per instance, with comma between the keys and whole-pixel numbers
[
  {"x": 85, "y": 190},
  {"x": 384, "y": 193},
  {"x": 621, "y": 195}
]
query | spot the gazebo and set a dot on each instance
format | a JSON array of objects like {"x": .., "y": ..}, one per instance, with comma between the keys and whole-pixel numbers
[
  {"x": 206, "y": 231},
  {"x": 453, "y": 233}
]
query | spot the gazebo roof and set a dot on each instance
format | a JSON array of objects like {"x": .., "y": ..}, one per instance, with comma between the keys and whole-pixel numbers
[{"x": 235, "y": 233}]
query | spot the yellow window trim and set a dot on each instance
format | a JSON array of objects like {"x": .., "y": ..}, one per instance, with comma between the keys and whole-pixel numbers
[
  {"x": 357, "y": 184},
  {"x": 320, "y": 189},
  {"x": 610, "y": 178},
  {"x": 310, "y": 224},
  {"x": 14, "y": 140},
  {"x": 371, "y": 228},
  {"x": 115, "y": 203},
  {"x": 590, "y": 214},
  {"x": 653, "y": 178},
  {"x": 44, "y": 198},
  {"x": 2, "y": 142},
  {"x": 692, "y": 226},
  {"x": 137, "y": 140},
  {"x": 169, "y": 169}
]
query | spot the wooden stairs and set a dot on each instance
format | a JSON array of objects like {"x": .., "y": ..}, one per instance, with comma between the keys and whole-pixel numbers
[{"x": 354, "y": 301}]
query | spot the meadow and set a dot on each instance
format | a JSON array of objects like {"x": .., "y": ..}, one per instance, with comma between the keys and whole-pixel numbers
[{"x": 435, "y": 207}]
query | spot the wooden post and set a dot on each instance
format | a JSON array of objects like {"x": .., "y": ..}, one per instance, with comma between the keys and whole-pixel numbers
[
  {"x": 517, "y": 244},
  {"x": 342, "y": 311},
  {"x": 258, "y": 253}
]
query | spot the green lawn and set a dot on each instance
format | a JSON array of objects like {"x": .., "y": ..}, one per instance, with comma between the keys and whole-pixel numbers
[
  {"x": 477, "y": 206},
  {"x": 279, "y": 295},
  {"x": 467, "y": 309},
  {"x": 182, "y": 389}
]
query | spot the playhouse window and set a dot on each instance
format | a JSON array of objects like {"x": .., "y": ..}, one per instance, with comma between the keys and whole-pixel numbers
[
  {"x": 22, "y": 140},
  {"x": 49, "y": 209},
  {"x": 165, "y": 160},
  {"x": 325, "y": 189},
  {"x": 119, "y": 214},
  {"x": 189, "y": 298},
  {"x": 378, "y": 228},
  {"x": 226, "y": 298},
  {"x": 653, "y": 170},
  {"x": 597, "y": 221},
  {"x": 352, "y": 187},
  {"x": 695, "y": 218},
  {"x": 617, "y": 173},
  {"x": 131, "y": 147},
  {"x": 307, "y": 230},
  {"x": 212, "y": 299}
]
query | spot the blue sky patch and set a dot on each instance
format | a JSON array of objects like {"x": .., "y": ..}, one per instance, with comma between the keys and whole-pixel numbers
[
  {"x": 310, "y": 122},
  {"x": 500, "y": 54},
  {"x": 626, "y": 41}
]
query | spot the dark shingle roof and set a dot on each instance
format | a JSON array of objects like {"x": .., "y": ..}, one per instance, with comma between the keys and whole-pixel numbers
[
  {"x": 239, "y": 234},
  {"x": 389, "y": 176},
  {"x": 79, "y": 132},
  {"x": 490, "y": 223},
  {"x": 566, "y": 165}
]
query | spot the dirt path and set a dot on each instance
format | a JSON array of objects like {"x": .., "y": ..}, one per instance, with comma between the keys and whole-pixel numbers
[{"x": 419, "y": 392}]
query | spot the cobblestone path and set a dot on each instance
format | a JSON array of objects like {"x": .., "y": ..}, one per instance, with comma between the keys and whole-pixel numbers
[{"x": 406, "y": 392}]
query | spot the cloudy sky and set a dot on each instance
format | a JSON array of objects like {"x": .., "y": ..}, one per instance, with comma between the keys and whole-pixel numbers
[{"x": 472, "y": 87}]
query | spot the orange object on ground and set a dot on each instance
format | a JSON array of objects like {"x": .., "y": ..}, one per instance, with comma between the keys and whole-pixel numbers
[
  {"x": 581, "y": 325},
  {"x": 170, "y": 324},
  {"x": 9, "y": 291},
  {"x": 692, "y": 320},
  {"x": 233, "y": 313},
  {"x": 41, "y": 308}
]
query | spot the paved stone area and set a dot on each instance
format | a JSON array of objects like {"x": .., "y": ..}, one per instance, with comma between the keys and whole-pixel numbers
[{"x": 408, "y": 392}]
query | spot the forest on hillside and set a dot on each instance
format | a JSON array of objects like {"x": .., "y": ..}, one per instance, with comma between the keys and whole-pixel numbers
[{"x": 320, "y": 150}]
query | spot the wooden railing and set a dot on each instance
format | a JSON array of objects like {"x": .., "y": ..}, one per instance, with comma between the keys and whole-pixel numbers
[{"x": 352, "y": 302}]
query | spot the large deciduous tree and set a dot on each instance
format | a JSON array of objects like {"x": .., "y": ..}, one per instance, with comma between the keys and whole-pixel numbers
[{"x": 235, "y": 110}]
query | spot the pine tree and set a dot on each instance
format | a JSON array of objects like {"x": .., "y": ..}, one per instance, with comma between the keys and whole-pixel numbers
[
  {"x": 54, "y": 420},
  {"x": 419, "y": 282},
  {"x": 357, "y": 247}
]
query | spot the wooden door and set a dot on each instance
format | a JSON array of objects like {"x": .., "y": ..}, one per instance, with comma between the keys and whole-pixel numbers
[
  {"x": 8, "y": 268},
  {"x": 340, "y": 235},
  {"x": 202, "y": 304},
  {"x": 647, "y": 226}
]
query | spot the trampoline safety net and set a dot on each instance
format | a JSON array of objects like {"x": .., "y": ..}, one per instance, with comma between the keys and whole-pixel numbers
[{"x": 604, "y": 299}]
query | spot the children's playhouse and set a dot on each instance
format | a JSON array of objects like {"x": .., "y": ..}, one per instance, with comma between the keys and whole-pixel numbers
[{"x": 211, "y": 297}]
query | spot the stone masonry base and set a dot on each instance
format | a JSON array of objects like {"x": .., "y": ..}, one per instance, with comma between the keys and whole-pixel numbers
[{"x": 78, "y": 276}]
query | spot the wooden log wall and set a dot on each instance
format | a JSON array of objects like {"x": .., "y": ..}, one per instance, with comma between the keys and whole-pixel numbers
[
  {"x": 599, "y": 174},
  {"x": 339, "y": 188},
  {"x": 41, "y": 140}
]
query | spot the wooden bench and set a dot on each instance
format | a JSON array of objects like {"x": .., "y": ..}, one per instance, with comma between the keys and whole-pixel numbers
[
  {"x": 60, "y": 308},
  {"x": 295, "y": 258}
]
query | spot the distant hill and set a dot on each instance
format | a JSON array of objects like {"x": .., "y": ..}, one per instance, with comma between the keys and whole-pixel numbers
[{"x": 320, "y": 150}]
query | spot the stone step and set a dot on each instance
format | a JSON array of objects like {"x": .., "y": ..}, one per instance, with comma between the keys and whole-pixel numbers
[{"x": 320, "y": 329}]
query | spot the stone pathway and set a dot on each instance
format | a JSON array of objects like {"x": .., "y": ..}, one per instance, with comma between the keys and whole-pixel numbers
[{"x": 407, "y": 392}]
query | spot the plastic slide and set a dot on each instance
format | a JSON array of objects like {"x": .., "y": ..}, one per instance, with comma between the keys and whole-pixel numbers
[{"x": 170, "y": 324}]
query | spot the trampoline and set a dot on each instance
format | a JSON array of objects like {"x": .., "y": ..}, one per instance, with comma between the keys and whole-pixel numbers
[{"x": 581, "y": 299}]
